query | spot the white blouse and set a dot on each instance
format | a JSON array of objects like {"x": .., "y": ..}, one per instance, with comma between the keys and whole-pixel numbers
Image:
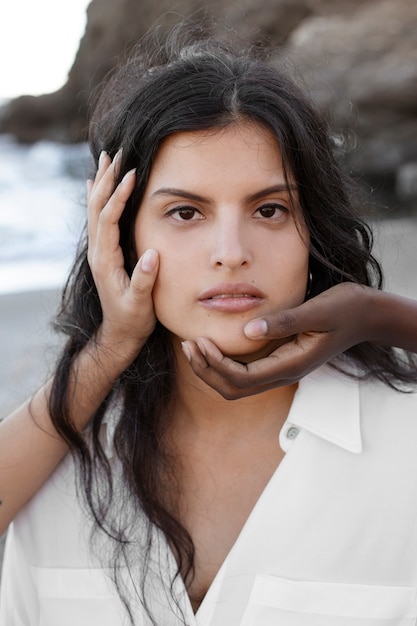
[{"x": 332, "y": 540}]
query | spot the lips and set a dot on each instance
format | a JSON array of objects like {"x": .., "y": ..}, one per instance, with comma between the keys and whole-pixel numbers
[
  {"x": 232, "y": 297},
  {"x": 232, "y": 290}
]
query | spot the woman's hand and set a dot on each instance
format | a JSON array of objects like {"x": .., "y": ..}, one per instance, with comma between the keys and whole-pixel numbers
[
  {"x": 30, "y": 447},
  {"x": 128, "y": 315},
  {"x": 319, "y": 329}
]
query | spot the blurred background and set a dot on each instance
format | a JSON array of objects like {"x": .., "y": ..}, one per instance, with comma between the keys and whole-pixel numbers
[{"x": 357, "y": 58}]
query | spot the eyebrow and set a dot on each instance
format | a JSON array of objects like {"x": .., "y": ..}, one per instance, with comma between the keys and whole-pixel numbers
[{"x": 182, "y": 193}]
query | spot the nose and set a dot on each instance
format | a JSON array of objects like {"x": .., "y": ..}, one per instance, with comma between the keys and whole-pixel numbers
[{"x": 231, "y": 243}]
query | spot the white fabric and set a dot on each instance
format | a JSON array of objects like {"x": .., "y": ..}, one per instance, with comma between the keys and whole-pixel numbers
[{"x": 332, "y": 541}]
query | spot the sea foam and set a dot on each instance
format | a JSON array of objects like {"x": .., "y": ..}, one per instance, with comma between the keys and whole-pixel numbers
[{"x": 42, "y": 212}]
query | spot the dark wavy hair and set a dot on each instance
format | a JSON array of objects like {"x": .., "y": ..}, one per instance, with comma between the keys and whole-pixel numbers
[{"x": 194, "y": 83}]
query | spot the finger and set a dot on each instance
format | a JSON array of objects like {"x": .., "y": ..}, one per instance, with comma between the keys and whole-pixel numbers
[
  {"x": 90, "y": 184},
  {"x": 217, "y": 360},
  {"x": 224, "y": 385},
  {"x": 134, "y": 296},
  {"x": 115, "y": 205},
  {"x": 194, "y": 355},
  {"x": 104, "y": 180},
  {"x": 230, "y": 378},
  {"x": 210, "y": 375},
  {"x": 324, "y": 313},
  {"x": 242, "y": 375},
  {"x": 144, "y": 274},
  {"x": 104, "y": 162},
  {"x": 101, "y": 191},
  {"x": 103, "y": 228},
  {"x": 285, "y": 366},
  {"x": 310, "y": 316}
]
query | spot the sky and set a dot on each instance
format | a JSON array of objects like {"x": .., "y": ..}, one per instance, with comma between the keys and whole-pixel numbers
[{"x": 38, "y": 43}]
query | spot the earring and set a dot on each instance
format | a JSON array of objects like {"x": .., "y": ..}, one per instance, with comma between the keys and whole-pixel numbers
[{"x": 309, "y": 284}]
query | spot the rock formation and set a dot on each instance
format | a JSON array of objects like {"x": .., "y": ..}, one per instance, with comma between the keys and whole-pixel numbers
[
  {"x": 358, "y": 58},
  {"x": 361, "y": 68}
]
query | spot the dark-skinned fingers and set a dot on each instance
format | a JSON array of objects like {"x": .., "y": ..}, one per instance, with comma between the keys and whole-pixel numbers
[
  {"x": 234, "y": 380},
  {"x": 220, "y": 384},
  {"x": 209, "y": 375},
  {"x": 230, "y": 378},
  {"x": 224, "y": 385},
  {"x": 310, "y": 316},
  {"x": 293, "y": 360},
  {"x": 194, "y": 356},
  {"x": 218, "y": 361},
  {"x": 276, "y": 326},
  {"x": 323, "y": 313}
]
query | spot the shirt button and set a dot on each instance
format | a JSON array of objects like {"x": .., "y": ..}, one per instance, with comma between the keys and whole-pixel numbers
[{"x": 292, "y": 432}]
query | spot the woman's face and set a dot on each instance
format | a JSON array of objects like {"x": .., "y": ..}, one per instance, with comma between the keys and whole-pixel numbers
[{"x": 217, "y": 209}]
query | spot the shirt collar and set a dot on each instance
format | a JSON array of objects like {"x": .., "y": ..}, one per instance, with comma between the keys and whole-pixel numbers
[{"x": 327, "y": 404}]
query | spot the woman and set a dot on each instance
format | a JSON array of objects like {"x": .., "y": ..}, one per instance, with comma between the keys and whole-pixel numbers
[{"x": 228, "y": 194}]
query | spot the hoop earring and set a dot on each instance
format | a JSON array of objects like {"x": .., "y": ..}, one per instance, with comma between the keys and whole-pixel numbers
[{"x": 309, "y": 284}]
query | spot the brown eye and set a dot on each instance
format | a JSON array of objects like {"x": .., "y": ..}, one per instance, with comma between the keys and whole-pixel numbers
[
  {"x": 271, "y": 210},
  {"x": 267, "y": 211},
  {"x": 186, "y": 213}
]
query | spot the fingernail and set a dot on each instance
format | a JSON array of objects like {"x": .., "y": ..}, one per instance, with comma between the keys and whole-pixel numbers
[
  {"x": 201, "y": 346},
  {"x": 149, "y": 261},
  {"x": 256, "y": 329},
  {"x": 128, "y": 174},
  {"x": 103, "y": 155},
  {"x": 186, "y": 350},
  {"x": 118, "y": 156}
]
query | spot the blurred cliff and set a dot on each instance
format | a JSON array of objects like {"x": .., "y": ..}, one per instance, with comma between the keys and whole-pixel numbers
[{"x": 358, "y": 58}]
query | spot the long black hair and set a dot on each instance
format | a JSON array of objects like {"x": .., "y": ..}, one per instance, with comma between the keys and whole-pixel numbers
[{"x": 194, "y": 84}]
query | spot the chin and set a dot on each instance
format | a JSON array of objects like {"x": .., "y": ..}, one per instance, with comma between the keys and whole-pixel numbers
[{"x": 247, "y": 350}]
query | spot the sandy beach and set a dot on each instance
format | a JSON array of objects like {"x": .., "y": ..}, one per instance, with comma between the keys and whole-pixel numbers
[{"x": 28, "y": 343}]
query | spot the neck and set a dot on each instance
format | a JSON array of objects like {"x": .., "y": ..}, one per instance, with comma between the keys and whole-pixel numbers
[{"x": 202, "y": 411}]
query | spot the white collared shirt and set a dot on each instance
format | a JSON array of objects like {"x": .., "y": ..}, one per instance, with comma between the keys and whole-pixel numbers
[{"x": 332, "y": 540}]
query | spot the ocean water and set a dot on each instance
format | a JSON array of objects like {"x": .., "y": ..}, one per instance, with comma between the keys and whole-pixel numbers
[{"x": 42, "y": 212}]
